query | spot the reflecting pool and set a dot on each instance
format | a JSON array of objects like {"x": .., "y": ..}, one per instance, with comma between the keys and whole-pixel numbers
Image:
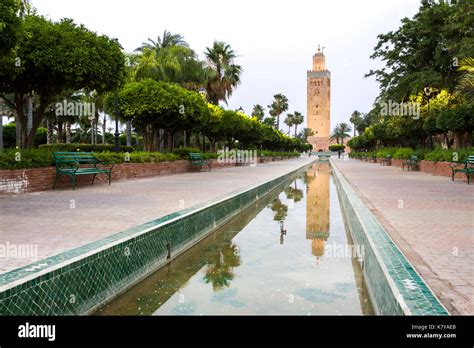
[{"x": 287, "y": 254}]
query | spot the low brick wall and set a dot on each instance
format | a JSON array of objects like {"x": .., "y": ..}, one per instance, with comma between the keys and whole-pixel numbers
[
  {"x": 433, "y": 168},
  {"x": 40, "y": 179}
]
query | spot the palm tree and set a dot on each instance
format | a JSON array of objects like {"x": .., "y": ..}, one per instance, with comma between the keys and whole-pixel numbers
[
  {"x": 298, "y": 119},
  {"x": 269, "y": 121},
  {"x": 279, "y": 106},
  {"x": 224, "y": 75},
  {"x": 289, "y": 121},
  {"x": 304, "y": 134},
  {"x": 345, "y": 130},
  {"x": 166, "y": 41},
  {"x": 355, "y": 120},
  {"x": 341, "y": 131},
  {"x": 465, "y": 84},
  {"x": 258, "y": 112}
]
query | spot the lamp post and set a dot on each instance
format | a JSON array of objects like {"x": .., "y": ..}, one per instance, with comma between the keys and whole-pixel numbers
[
  {"x": 116, "y": 134},
  {"x": 203, "y": 93}
]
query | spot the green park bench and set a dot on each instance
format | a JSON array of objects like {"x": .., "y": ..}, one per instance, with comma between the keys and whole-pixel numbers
[
  {"x": 387, "y": 160},
  {"x": 73, "y": 164},
  {"x": 196, "y": 159},
  {"x": 372, "y": 158},
  {"x": 468, "y": 168},
  {"x": 411, "y": 163}
]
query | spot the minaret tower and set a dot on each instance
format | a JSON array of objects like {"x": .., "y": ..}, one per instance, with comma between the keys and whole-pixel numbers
[{"x": 319, "y": 102}]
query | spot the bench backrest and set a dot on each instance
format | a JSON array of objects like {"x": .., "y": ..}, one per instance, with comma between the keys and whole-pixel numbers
[
  {"x": 81, "y": 157},
  {"x": 470, "y": 161},
  {"x": 195, "y": 156},
  {"x": 414, "y": 158}
]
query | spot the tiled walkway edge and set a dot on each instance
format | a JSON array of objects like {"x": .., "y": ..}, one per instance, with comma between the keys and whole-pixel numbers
[
  {"x": 80, "y": 280},
  {"x": 394, "y": 286}
]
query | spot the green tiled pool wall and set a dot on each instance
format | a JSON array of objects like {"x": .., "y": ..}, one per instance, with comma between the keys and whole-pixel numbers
[
  {"x": 82, "y": 285},
  {"x": 394, "y": 286}
]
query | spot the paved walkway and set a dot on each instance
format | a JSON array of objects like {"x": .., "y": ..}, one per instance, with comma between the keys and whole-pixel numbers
[
  {"x": 59, "y": 220},
  {"x": 432, "y": 221}
]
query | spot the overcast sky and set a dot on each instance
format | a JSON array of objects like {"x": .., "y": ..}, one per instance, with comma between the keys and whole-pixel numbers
[{"x": 274, "y": 39}]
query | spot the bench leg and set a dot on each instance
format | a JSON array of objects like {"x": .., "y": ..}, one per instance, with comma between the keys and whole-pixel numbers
[
  {"x": 110, "y": 178},
  {"x": 73, "y": 179},
  {"x": 93, "y": 178}
]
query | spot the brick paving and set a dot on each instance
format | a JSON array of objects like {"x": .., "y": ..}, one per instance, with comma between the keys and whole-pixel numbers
[
  {"x": 430, "y": 218},
  {"x": 58, "y": 220}
]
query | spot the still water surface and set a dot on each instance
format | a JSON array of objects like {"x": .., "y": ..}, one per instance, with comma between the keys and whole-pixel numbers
[{"x": 283, "y": 255}]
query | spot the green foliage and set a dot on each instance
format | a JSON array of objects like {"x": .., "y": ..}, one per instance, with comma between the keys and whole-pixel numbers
[
  {"x": 403, "y": 153},
  {"x": 25, "y": 158},
  {"x": 9, "y": 136},
  {"x": 152, "y": 105},
  {"x": 83, "y": 147},
  {"x": 136, "y": 157},
  {"x": 9, "y": 26},
  {"x": 57, "y": 57},
  {"x": 183, "y": 152},
  {"x": 420, "y": 53},
  {"x": 445, "y": 155},
  {"x": 278, "y": 154},
  {"x": 337, "y": 147}
]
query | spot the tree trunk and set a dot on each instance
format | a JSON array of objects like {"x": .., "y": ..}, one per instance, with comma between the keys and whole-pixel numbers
[
  {"x": 1, "y": 133},
  {"x": 68, "y": 132},
  {"x": 171, "y": 140},
  {"x": 104, "y": 128},
  {"x": 185, "y": 138},
  {"x": 296, "y": 127},
  {"x": 49, "y": 133},
  {"x": 18, "y": 131},
  {"x": 60, "y": 133},
  {"x": 128, "y": 132}
]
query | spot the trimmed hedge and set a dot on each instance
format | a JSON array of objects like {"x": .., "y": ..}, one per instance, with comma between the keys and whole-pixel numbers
[
  {"x": 74, "y": 147},
  {"x": 437, "y": 155},
  {"x": 31, "y": 158},
  {"x": 337, "y": 147}
]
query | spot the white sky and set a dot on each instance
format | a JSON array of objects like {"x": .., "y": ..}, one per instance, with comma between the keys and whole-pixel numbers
[{"x": 274, "y": 39}]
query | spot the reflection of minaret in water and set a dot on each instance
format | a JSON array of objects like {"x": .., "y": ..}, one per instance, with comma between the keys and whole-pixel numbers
[{"x": 317, "y": 207}]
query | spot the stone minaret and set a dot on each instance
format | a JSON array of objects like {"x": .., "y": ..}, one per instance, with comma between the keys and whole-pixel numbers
[{"x": 319, "y": 102}]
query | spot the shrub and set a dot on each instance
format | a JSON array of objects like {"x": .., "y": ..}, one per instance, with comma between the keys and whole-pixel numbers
[
  {"x": 9, "y": 136},
  {"x": 183, "y": 152},
  {"x": 74, "y": 147},
  {"x": 384, "y": 152},
  {"x": 30, "y": 158},
  {"x": 403, "y": 153},
  {"x": 337, "y": 147}
]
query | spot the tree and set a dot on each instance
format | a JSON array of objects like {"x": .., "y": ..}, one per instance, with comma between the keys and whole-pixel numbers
[
  {"x": 163, "y": 42},
  {"x": 224, "y": 74},
  {"x": 153, "y": 105},
  {"x": 289, "y": 121},
  {"x": 258, "y": 112},
  {"x": 56, "y": 57},
  {"x": 305, "y": 133},
  {"x": 278, "y": 106},
  {"x": 355, "y": 120},
  {"x": 341, "y": 131},
  {"x": 269, "y": 121},
  {"x": 422, "y": 51},
  {"x": 298, "y": 119},
  {"x": 465, "y": 86},
  {"x": 10, "y": 25}
]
